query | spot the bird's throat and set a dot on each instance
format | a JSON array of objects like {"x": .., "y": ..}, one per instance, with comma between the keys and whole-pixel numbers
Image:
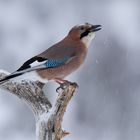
[{"x": 87, "y": 39}]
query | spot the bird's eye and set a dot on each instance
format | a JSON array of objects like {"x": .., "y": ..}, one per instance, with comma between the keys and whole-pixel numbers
[{"x": 82, "y": 28}]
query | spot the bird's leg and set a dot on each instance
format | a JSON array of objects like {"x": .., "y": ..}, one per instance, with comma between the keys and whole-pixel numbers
[{"x": 63, "y": 83}]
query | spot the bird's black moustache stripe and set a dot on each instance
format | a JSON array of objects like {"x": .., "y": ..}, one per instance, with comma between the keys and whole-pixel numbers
[{"x": 84, "y": 34}]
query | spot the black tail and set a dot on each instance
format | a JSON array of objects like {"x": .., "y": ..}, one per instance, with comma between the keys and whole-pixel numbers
[{"x": 9, "y": 77}]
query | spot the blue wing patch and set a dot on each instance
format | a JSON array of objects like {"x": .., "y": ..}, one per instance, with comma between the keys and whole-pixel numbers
[{"x": 51, "y": 63}]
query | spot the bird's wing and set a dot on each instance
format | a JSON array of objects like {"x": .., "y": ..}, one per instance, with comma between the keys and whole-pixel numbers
[
  {"x": 29, "y": 62},
  {"x": 42, "y": 64},
  {"x": 52, "y": 57},
  {"x": 46, "y": 64}
]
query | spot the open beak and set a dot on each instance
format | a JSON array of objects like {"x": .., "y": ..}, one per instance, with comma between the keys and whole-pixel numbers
[{"x": 95, "y": 28}]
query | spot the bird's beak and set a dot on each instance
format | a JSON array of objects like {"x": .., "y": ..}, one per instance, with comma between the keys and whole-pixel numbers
[{"x": 95, "y": 28}]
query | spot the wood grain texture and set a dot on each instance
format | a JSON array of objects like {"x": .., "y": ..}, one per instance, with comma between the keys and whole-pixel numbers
[{"x": 48, "y": 118}]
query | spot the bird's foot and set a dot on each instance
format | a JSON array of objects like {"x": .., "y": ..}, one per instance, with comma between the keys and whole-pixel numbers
[{"x": 64, "y": 84}]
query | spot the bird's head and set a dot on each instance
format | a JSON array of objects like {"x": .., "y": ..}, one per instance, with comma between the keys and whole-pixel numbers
[{"x": 84, "y": 32}]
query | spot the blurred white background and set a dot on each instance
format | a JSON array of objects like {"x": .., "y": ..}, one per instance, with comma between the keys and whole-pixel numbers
[{"x": 107, "y": 103}]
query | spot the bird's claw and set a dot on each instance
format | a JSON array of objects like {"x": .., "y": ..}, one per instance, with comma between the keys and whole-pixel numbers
[{"x": 65, "y": 84}]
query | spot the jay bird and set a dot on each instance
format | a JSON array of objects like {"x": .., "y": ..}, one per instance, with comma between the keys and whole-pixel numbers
[{"x": 61, "y": 59}]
